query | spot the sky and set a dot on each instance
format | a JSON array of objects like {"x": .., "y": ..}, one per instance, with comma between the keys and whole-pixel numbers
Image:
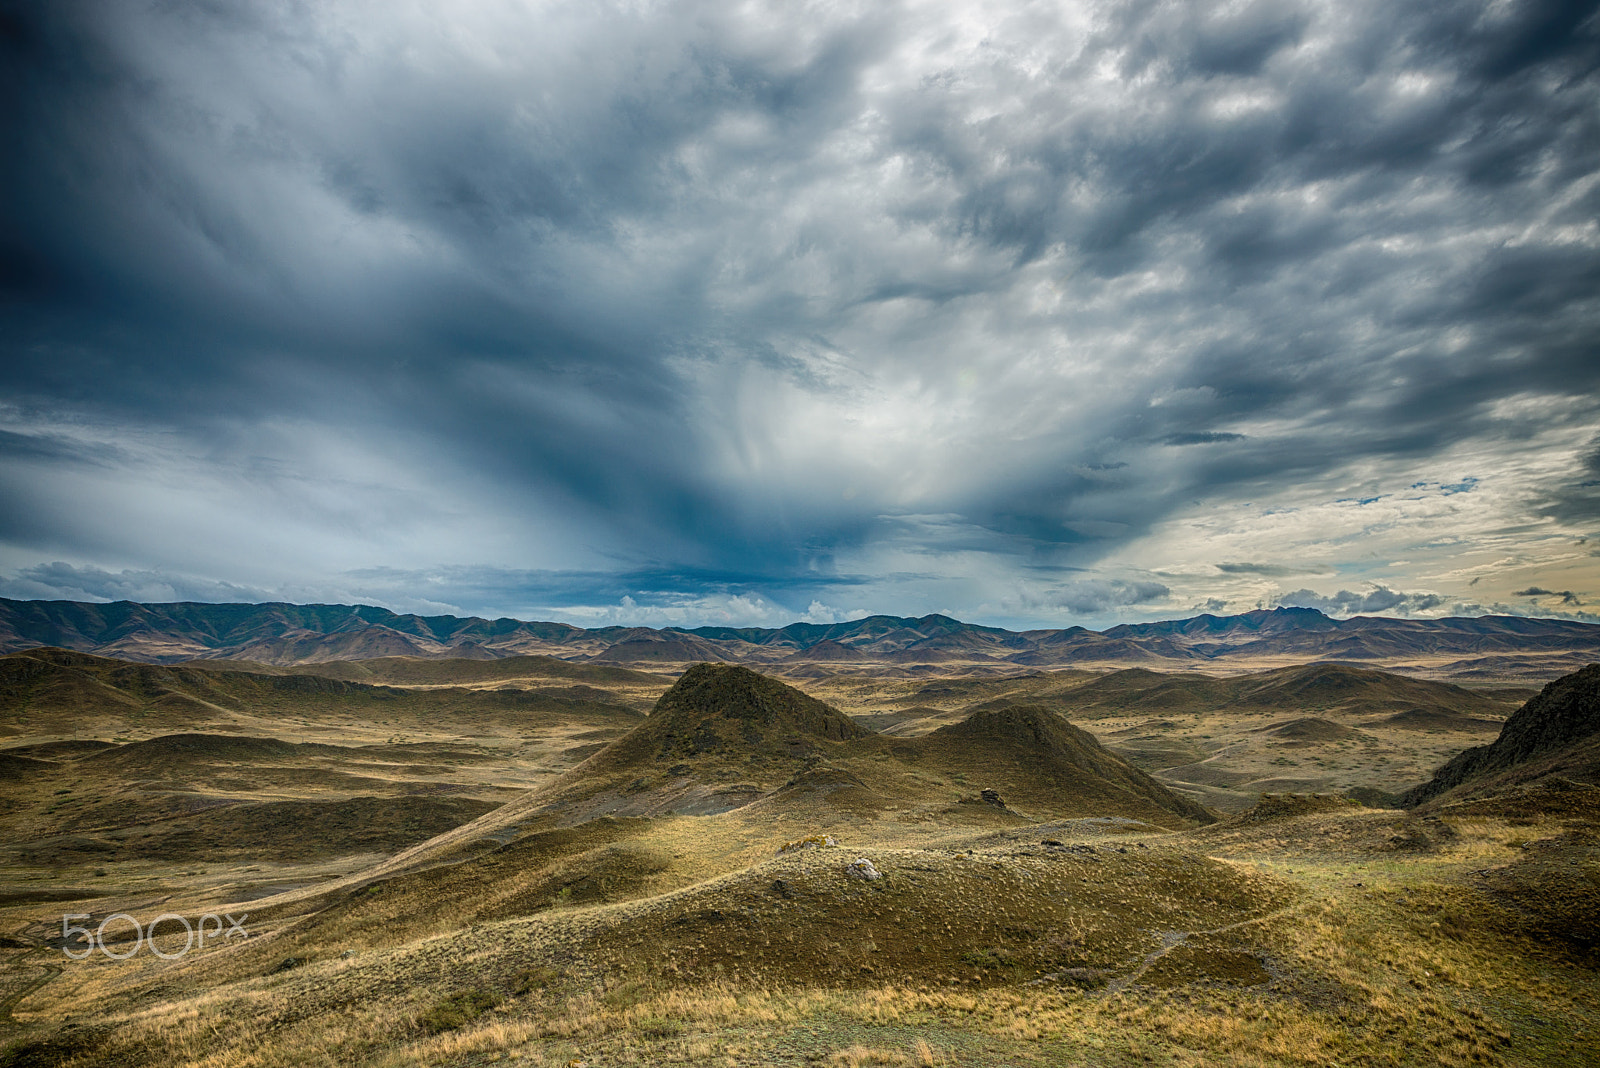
[{"x": 685, "y": 313}]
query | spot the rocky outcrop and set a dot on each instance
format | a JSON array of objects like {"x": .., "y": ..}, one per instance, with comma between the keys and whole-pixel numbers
[{"x": 1558, "y": 730}]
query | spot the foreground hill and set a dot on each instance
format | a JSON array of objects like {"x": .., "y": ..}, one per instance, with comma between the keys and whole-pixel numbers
[
  {"x": 721, "y": 737},
  {"x": 1489, "y": 648},
  {"x": 1555, "y": 733},
  {"x": 1048, "y": 764}
]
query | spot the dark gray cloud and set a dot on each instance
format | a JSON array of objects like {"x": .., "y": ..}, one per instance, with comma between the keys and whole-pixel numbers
[
  {"x": 1272, "y": 570},
  {"x": 1201, "y": 437},
  {"x": 1576, "y": 499},
  {"x": 1379, "y": 599},
  {"x": 1566, "y": 596},
  {"x": 1095, "y": 597},
  {"x": 690, "y": 300}
]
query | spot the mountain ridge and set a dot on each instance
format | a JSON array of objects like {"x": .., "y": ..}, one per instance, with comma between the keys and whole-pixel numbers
[{"x": 279, "y": 633}]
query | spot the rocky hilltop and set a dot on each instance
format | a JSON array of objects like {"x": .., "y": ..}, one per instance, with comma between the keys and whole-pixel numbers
[{"x": 1557, "y": 733}]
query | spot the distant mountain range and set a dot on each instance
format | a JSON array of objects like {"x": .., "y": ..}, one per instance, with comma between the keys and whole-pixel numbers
[{"x": 287, "y": 634}]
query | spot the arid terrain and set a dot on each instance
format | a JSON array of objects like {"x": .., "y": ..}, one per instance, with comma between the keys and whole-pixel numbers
[{"x": 818, "y": 858}]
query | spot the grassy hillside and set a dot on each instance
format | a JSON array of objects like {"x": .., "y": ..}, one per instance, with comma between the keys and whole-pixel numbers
[{"x": 750, "y": 876}]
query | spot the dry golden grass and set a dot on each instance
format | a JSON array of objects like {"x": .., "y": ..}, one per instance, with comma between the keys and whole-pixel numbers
[
  {"x": 1415, "y": 966},
  {"x": 1311, "y": 934}
]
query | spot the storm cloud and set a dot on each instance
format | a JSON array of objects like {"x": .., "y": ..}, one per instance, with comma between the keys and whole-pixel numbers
[
  {"x": 1376, "y": 601},
  {"x": 699, "y": 311},
  {"x": 1563, "y": 596}
]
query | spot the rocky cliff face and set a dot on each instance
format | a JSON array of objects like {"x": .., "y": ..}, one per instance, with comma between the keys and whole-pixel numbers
[{"x": 1562, "y": 720}]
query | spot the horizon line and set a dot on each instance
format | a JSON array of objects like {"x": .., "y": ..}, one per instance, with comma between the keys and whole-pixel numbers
[{"x": 798, "y": 622}]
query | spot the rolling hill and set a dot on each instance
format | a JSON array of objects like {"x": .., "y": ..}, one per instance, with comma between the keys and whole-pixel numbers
[
  {"x": 725, "y": 737},
  {"x": 1047, "y": 764},
  {"x": 47, "y": 692}
]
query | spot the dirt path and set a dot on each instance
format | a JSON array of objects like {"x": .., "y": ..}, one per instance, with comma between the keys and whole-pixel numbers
[
  {"x": 1171, "y": 940},
  {"x": 46, "y": 972},
  {"x": 18, "y": 967}
]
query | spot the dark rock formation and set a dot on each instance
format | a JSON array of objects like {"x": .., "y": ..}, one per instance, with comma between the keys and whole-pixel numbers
[{"x": 1557, "y": 730}]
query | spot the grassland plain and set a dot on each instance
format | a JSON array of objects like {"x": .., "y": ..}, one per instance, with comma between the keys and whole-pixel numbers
[{"x": 599, "y": 921}]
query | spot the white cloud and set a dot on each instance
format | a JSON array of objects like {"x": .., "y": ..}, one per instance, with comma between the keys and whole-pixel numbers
[{"x": 726, "y": 610}]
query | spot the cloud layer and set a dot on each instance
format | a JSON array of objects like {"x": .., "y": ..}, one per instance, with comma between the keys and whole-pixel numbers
[{"x": 1027, "y": 313}]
